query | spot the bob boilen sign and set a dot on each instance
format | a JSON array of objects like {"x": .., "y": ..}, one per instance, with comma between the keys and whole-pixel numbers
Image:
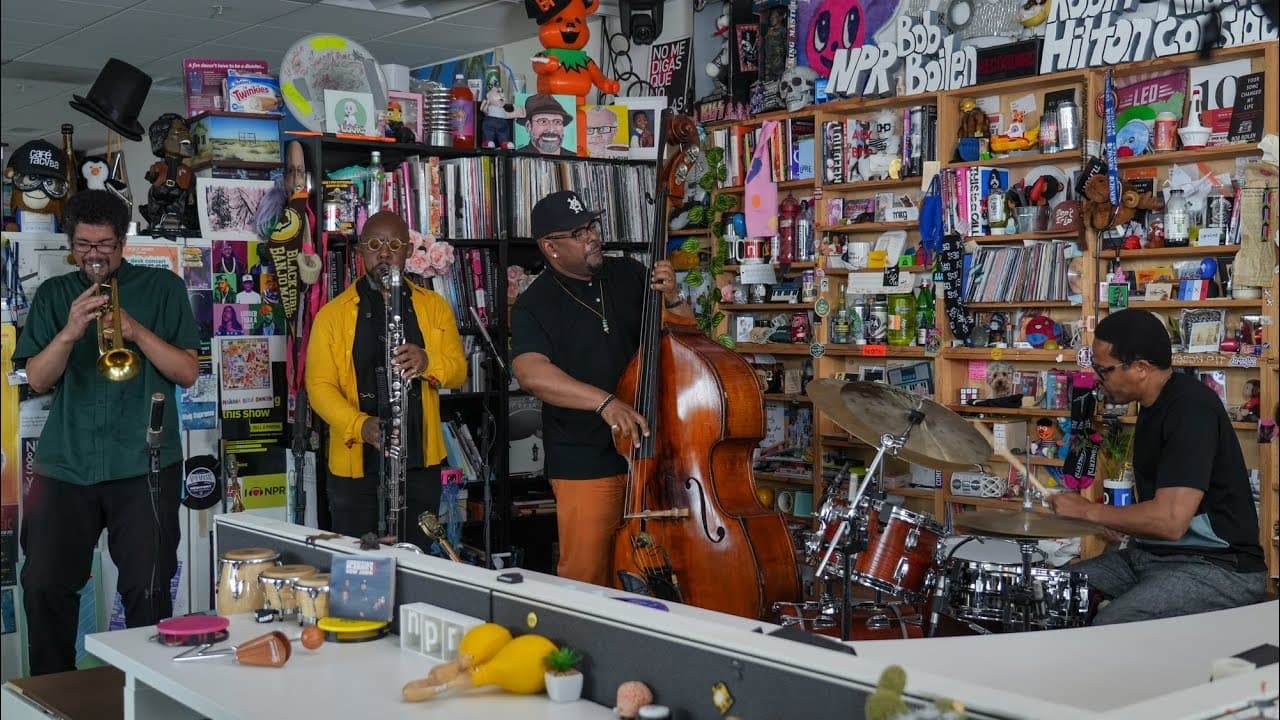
[{"x": 868, "y": 48}]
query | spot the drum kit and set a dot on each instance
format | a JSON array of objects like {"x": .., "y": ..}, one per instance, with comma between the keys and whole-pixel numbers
[{"x": 861, "y": 538}]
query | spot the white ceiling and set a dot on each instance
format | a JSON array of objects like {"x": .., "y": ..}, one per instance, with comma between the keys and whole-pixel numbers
[{"x": 51, "y": 49}]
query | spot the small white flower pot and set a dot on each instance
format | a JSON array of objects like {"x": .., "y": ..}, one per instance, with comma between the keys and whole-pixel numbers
[{"x": 564, "y": 688}]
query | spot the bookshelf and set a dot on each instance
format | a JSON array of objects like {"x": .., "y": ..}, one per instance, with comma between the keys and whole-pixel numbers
[{"x": 1081, "y": 260}]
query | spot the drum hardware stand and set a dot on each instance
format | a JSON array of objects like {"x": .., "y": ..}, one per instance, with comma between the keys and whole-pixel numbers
[{"x": 845, "y": 538}]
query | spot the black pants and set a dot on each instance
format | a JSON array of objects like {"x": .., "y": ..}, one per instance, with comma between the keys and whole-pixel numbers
[
  {"x": 353, "y": 504},
  {"x": 61, "y": 524}
]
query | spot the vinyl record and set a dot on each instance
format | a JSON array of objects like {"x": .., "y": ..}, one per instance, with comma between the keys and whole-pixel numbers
[
  {"x": 201, "y": 483},
  {"x": 1135, "y": 135},
  {"x": 327, "y": 62}
]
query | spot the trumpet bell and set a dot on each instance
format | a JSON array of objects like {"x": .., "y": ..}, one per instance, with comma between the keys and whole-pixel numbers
[{"x": 118, "y": 365}]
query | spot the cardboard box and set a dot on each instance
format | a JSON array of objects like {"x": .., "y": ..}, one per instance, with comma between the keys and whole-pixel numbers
[
  {"x": 1009, "y": 436},
  {"x": 226, "y": 137}
]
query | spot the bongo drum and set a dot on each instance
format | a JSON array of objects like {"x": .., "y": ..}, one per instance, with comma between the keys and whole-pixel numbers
[
  {"x": 238, "y": 571},
  {"x": 277, "y": 588},
  {"x": 312, "y": 596}
]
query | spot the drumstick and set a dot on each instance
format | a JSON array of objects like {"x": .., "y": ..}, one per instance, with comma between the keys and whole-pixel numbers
[{"x": 1012, "y": 459}]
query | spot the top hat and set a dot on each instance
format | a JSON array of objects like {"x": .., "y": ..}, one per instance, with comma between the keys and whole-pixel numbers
[
  {"x": 542, "y": 11},
  {"x": 116, "y": 98},
  {"x": 542, "y": 104}
]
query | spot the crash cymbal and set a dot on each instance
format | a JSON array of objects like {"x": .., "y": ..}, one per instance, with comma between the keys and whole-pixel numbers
[
  {"x": 867, "y": 410},
  {"x": 1023, "y": 524}
]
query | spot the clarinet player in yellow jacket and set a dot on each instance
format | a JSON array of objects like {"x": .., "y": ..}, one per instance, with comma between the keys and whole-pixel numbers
[{"x": 346, "y": 350}]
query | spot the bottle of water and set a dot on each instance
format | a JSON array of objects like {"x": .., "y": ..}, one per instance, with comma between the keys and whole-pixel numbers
[{"x": 375, "y": 177}]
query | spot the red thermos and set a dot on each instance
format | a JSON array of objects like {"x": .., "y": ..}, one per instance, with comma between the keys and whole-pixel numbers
[{"x": 787, "y": 214}]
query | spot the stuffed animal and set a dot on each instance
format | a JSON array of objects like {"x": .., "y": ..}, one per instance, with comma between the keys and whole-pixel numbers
[
  {"x": 495, "y": 126},
  {"x": 37, "y": 171},
  {"x": 973, "y": 121},
  {"x": 1103, "y": 215},
  {"x": 95, "y": 172},
  {"x": 563, "y": 67}
]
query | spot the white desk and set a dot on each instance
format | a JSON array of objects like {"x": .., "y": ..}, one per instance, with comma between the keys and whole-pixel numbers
[{"x": 349, "y": 680}]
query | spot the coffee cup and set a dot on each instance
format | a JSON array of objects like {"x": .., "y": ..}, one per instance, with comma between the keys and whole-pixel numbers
[{"x": 1117, "y": 492}]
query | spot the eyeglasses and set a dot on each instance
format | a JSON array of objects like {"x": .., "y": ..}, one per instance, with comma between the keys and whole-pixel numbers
[
  {"x": 609, "y": 130},
  {"x": 1103, "y": 372},
  {"x": 53, "y": 187},
  {"x": 375, "y": 244},
  {"x": 106, "y": 248},
  {"x": 555, "y": 120},
  {"x": 581, "y": 234}
]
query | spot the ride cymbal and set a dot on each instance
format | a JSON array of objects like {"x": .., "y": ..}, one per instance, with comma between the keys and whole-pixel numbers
[
  {"x": 943, "y": 440},
  {"x": 1023, "y": 524}
]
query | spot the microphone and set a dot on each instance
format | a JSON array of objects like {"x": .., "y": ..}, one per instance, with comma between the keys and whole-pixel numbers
[
  {"x": 156, "y": 426},
  {"x": 939, "y": 603}
]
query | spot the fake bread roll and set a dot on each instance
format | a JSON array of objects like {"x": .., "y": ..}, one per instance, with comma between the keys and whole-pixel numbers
[
  {"x": 517, "y": 668},
  {"x": 480, "y": 644}
]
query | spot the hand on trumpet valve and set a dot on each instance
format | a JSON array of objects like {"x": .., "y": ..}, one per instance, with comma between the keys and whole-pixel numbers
[
  {"x": 126, "y": 323},
  {"x": 85, "y": 310}
]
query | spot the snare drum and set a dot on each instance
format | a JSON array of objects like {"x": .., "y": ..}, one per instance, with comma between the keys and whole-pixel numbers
[
  {"x": 312, "y": 595},
  {"x": 238, "y": 571},
  {"x": 900, "y": 552},
  {"x": 869, "y": 621},
  {"x": 997, "y": 592},
  {"x": 277, "y": 588}
]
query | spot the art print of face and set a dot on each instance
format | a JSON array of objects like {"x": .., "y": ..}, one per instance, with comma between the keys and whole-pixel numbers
[{"x": 841, "y": 24}]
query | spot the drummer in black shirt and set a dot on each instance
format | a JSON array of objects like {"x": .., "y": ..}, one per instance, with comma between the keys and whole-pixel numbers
[{"x": 1194, "y": 525}]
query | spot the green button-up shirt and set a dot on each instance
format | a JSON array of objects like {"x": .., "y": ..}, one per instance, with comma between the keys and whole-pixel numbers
[{"x": 96, "y": 430}]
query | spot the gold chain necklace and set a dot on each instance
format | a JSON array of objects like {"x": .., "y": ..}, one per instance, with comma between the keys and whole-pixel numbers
[{"x": 604, "y": 322}]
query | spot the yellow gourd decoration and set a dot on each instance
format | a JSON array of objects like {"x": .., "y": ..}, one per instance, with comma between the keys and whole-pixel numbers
[
  {"x": 480, "y": 644},
  {"x": 517, "y": 668}
]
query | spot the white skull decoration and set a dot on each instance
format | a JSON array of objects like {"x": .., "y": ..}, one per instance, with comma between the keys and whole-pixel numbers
[{"x": 796, "y": 88}]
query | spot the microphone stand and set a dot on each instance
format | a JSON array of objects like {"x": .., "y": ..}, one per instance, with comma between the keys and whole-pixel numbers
[{"x": 485, "y": 440}]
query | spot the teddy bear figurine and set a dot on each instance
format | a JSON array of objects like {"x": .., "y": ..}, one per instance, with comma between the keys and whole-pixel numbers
[
  {"x": 495, "y": 126},
  {"x": 1103, "y": 215}
]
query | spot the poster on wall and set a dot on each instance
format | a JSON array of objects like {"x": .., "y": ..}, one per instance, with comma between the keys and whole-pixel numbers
[
  {"x": 245, "y": 299},
  {"x": 251, "y": 386},
  {"x": 164, "y": 257},
  {"x": 607, "y": 131},
  {"x": 198, "y": 404},
  {"x": 259, "y": 472},
  {"x": 227, "y": 207},
  {"x": 669, "y": 73}
]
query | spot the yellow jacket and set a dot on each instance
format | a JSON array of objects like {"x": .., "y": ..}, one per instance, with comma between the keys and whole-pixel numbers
[{"x": 331, "y": 375}]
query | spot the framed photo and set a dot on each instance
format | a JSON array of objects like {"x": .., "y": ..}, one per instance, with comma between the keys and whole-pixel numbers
[
  {"x": 350, "y": 113},
  {"x": 1203, "y": 329},
  {"x": 548, "y": 126},
  {"x": 748, "y": 47},
  {"x": 607, "y": 131},
  {"x": 408, "y": 106},
  {"x": 644, "y": 116}
]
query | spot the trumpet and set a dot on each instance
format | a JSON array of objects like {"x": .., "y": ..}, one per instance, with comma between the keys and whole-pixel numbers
[{"x": 115, "y": 362}]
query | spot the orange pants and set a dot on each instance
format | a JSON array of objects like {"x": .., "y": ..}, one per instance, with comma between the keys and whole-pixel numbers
[{"x": 588, "y": 514}]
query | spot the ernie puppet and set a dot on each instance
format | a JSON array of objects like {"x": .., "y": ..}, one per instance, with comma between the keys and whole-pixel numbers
[{"x": 563, "y": 67}]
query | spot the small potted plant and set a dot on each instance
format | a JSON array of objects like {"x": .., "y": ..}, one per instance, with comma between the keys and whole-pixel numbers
[{"x": 564, "y": 681}]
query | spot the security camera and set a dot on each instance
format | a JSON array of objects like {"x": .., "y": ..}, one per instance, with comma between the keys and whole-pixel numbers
[{"x": 641, "y": 20}]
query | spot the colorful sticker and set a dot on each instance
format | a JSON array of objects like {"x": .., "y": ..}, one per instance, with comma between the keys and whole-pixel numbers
[
  {"x": 822, "y": 308},
  {"x": 817, "y": 350}
]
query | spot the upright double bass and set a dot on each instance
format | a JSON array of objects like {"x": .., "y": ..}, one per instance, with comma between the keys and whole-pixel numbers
[{"x": 693, "y": 529}]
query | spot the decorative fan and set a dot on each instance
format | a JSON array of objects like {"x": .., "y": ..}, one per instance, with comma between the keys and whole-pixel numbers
[{"x": 327, "y": 62}]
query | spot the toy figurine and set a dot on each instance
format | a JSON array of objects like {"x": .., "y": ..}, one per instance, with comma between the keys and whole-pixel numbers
[
  {"x": 395, "y": 123},
  {"x": 1048, "y": 439},
  {"x": 563, "y": 67},
  {"x": 171, "y": 203},
  {"x": 1248, "y": 412},
  {"x": 37, "y": 171},
  {"x": 495, "y": 126}
]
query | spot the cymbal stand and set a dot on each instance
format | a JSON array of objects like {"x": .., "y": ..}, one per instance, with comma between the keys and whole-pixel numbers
[{"x": 849, "y": 542}]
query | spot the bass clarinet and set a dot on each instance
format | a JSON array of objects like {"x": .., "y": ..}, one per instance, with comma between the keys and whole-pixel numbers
[{"x": 392, "y": 487}]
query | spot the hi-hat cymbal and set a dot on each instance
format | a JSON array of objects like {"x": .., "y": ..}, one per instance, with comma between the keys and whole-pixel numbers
[
  {"x": 1023, "y": 524},
  {"x": 867, "y": 410}
]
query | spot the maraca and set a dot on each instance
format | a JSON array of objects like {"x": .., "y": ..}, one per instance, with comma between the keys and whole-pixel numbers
[
  {"x": 516, "y": 668},
  {"x": 480, "y": 644}
]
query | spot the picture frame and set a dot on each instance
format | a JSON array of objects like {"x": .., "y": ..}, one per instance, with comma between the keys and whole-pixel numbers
[
  {"x": 643, "y": 114},
  {"x": 410, "y": 106},
  {"x": 1202, "y": 328},
  {"x": 748, "y": 47},
  {"x": 608, "y": 129},
  {"x": 539, "y": 108},
  {"x": 350, "y": 113}
]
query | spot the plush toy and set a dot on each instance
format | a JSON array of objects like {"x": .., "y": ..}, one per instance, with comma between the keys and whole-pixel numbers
[
  {"x": 1103, "y": 215},
  {"x": 37, "y": 171},
  {"x": 495, "y": 126},
  {"x": 95, "y": 172},
  {"x": 973, "y": 121},
  {"x": 886, "y": 143},
  {"x": 1048, "y": 439},
  {"x": 563, "y": 67},
  {"x": 171, "y": 205}
]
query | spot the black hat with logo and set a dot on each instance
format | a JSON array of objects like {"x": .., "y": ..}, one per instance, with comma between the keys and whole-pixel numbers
[
  {"x": 560, "y": 211},
  {"x": 40, "y": 158}
]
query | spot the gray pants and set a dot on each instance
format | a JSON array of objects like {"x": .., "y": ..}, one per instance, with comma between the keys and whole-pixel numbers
[{"x": 1143, "y": 586}]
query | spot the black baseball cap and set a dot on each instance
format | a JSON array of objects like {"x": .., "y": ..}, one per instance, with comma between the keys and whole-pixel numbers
[
  {"x": 40, "y": 158},
  {"x": 561, "y": 211}
]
